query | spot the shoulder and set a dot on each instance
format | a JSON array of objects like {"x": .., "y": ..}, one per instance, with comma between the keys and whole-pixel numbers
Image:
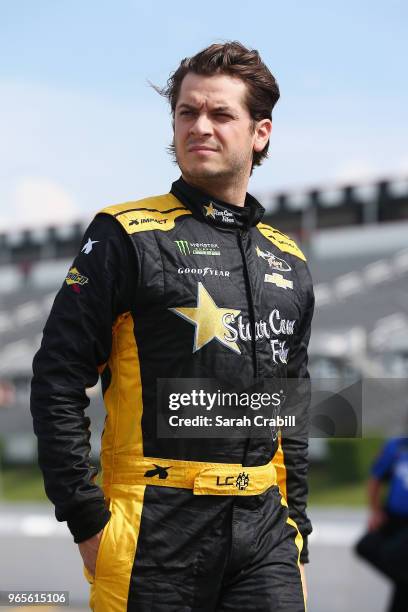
[
  {"x": 280, "y": 240},
  {"x": 154, "y": 213},
  {"x": 400, "y": 444},
  {"x": 390, "y": 448}
]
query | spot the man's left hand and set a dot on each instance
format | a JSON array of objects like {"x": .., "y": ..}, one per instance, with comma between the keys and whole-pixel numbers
[{"x": 89, "y": 551}]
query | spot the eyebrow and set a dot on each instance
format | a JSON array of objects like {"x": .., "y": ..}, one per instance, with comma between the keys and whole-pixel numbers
[{"x": 219, "y": 108}]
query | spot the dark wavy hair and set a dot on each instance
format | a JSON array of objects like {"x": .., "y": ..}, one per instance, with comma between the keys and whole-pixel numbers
[{"x": 231, "y": 58}]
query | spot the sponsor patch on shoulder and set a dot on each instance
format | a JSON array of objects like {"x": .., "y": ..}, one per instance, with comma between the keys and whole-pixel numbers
[
  {"x": 279, "y": 280},
  {"x": 274, "y": 262},
  {"x": 88, "y": 246},
  {"x": 75, "y": 279}
]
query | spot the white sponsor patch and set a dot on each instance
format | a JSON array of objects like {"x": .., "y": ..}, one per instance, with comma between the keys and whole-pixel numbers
[
  {"x": 203, "y": 271},
  {"x": 225, "y": 216},
  {"x": 274, "y": 262},
  {"x": 87, "y": 248},
  {"x": 279, "y": 280}
]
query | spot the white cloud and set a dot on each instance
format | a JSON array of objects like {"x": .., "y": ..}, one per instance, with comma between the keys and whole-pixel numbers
[
  {"x": 356, "y": 171},
  {"x": 402, "y": 166},
  {"x": 37, "y": 201},
  {"x": 97, "y": 148}
]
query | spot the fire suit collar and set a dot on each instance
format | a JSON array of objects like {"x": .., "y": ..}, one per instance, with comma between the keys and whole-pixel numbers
[{"x": 217, "y": 212}]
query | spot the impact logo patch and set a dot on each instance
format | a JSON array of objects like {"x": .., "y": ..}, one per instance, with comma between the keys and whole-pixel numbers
[
  {"x": 75, "y": 279},
  {"x": 147, "y": 220}
]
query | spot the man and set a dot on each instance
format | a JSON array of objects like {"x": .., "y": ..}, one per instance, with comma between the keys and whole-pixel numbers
[
  {"x": 386, "y": 543},
  {"x": 180, "y": 286}
]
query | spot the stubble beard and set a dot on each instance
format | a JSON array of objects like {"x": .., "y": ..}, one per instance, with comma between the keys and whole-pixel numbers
[{"x": 234, "y": 172}]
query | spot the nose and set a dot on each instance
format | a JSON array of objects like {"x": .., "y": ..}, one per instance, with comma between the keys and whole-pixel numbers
[{"x": 201, "y": 126}]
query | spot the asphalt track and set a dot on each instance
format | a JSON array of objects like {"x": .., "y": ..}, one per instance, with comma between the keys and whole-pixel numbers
[{"x": 37, "y": 553}]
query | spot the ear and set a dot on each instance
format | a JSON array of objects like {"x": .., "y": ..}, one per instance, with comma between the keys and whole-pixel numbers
[{"x": 263, "y": 130}]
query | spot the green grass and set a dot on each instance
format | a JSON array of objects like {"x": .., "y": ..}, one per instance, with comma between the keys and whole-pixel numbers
[
  {"x": 22, "y": 484},
  {"x": 323, "y": 492},
  {"x": 353, "y": 495}
]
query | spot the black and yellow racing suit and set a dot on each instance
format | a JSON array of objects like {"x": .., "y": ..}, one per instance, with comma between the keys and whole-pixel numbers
[{"x": 177, "y": 286}]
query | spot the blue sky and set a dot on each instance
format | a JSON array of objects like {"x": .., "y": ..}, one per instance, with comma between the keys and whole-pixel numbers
[{"x": 80, "y": 127}]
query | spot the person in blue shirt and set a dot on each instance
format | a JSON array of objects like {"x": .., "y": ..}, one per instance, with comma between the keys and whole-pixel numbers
[{"x": 386, "y": 544}]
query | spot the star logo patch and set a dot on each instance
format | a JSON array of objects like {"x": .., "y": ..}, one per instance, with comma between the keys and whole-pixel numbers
[{"x": 208, "y": 320}]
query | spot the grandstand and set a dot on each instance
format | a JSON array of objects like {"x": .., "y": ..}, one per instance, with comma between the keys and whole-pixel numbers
[{"x": 356, "y": 239}]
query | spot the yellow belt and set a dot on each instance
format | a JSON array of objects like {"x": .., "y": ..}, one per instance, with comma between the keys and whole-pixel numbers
[{"x": 203, "y": 478}]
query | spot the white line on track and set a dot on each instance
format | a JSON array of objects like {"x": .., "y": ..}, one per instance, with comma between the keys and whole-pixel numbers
[
  {"x": 32, "y": 525},
  {"x": 330, "y": 533}
]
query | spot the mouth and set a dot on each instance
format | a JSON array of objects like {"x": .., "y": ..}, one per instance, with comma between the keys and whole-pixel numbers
[{"x": 201, "y": 149}]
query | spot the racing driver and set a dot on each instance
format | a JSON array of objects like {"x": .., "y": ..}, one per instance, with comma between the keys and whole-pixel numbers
[{"x": 186, "y": 285}]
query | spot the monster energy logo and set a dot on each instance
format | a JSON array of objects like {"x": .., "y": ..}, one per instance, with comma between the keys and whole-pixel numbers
[
  {"x": 183, "y": 247},
  {"x": 197, "y": 248}
]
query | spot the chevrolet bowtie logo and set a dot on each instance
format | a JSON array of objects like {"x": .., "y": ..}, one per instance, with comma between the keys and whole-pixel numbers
[
  {"x": 279, "y": 280},
  {"x": 160, "y": 471}
]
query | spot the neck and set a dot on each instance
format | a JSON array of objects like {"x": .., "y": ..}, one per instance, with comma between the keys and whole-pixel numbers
[{"x": 231, "y": 193}]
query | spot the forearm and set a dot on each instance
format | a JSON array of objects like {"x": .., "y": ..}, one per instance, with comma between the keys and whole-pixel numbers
[
  {"x": 295, "y": 459},
  {"x": 63, "y": 436},
  {"x": 374, "y": 489}
]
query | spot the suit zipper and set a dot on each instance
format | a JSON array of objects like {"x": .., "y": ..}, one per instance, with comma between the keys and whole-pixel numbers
[{"x": 242, "y": 237}]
